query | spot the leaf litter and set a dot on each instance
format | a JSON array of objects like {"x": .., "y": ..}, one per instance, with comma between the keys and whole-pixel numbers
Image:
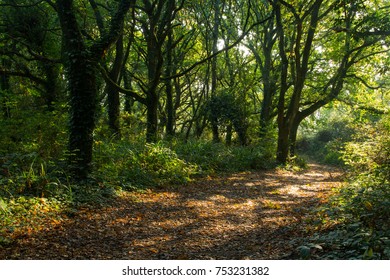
[{"x": 251, "y": 215}]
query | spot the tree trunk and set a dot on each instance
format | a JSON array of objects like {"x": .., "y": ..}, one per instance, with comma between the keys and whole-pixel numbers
[
  {"x": 293, "y": 136},
  {"x": 241, "y": 128},
  {"x": 229, "y": 134},
  {"x": 83, "y": 92},
  {"x": 283, "y": 128},
  {"x": 5, "y": 87},
  {"x": 129, "y": 101},
  {"x": 81, "y": 64},
  {"x": 113, "y": 93},
  {"x": 114, "y": 111},
  {"x": 51, "y": 85},
  {"x": 283, "y": 145},
  {"x": 214, "y": 122},
  {"x": 267, "y": 103},
  {"x": 169, "y": 88},
  {"x": 152, "y": 118}
]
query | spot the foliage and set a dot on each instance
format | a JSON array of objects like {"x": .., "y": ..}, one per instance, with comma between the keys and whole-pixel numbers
[
  {"x": 138, "y": 165},
  {"x": 215, "y": 157},
  {"x": 23, "y": 215},
  {"x": 227, "y": 109},
  {"x": 362, "y": 208},
  {"x": 368, "y": 156},
  {"x": 323, "y": 140},
  {"x": 181, "y": 71}
]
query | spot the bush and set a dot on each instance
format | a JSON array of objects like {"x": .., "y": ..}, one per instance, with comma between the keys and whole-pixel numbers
[
  {"x": 368, "y": 157},
  {"x": 140, "y": 165},
  {"x": 326, "y": 144},
  {"x": 216, "y": 157},
  {"x": 24, "y": 215},
  {"x": 363, "y": 206}
]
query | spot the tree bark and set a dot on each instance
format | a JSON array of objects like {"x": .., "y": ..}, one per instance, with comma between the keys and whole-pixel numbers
[
  {"x": 51, "y": 85},
  {"x": 214, "y": 78},
  {"x": 169, "y": 88},
  {"x": 302, "y": 45},
  {"x": 81, "y": 63},
  {"x": 113, "y": 93},
  {"x": 5, "y": 87},
  {"x": 283, "y": 144},
  {"x": 152, "y": 117}
]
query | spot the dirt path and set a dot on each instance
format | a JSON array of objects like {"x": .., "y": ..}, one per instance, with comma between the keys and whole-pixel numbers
[{"x": 253, "y": 215}]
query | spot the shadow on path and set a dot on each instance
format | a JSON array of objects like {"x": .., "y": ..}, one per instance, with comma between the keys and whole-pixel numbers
[{"x": 252, "y": 215}]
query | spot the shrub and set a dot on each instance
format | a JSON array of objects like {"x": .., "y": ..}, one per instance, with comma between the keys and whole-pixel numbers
[
  {"x": 327, "y": 143},
  {"x": 140, "y": 165},
  {"x": 363, "y": 206},
  {"x": 216, "y": 157}
]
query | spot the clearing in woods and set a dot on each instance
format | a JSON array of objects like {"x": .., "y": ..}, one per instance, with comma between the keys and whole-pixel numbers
[{"x": 251, "y": 215}]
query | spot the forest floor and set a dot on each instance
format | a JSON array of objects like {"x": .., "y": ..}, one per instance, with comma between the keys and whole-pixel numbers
[{"x": 251, "y": 215}]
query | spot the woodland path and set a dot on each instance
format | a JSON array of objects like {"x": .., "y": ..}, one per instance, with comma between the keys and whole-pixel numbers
[{"x": 251, "y": 215}]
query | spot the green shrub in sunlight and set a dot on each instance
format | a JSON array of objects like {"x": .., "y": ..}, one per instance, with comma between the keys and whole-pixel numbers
[
  {"x": 216, "y": 157},
  {"x": 326, "y": 144},
  {"x": 137, "y": 165},
  {"x": 22, "y": 214},
  {"x": 368, "y": 157},
  {"x": 363, "y": 206}
]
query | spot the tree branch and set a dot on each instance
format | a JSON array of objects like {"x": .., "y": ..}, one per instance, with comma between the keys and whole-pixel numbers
[
  {"x": 361, "y": 107},
  {"x": 128, "y": 92},
  {"x": 196, "y": 64},
  {"x": 24, "y": 75},
  {"x": 354, "y": 76},
  {"x": 112, "y": 35}
]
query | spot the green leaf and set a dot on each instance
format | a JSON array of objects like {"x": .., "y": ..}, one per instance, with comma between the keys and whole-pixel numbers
[
  {"x": 369, "y": 253},
  {"x": 304, "y": 252},
  {"x": 3, "y": 206},
  {"x": 317, "y": 246}
]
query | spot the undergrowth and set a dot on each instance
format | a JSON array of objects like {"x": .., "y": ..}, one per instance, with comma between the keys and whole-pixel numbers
[
  {"x": 360, "y": 211},
  {"x": 35, "y": 185}
]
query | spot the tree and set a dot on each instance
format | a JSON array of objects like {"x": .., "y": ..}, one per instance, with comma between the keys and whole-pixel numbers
[
  {"x": 306, "y": 82},
  {"x": 81, "y": 60},
  {"x": 31, "y": 49},
  {"x": 263, "y": 46}
]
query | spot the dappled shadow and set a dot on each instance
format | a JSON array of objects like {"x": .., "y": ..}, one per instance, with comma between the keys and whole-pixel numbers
[{"x": 253, "y": 215}]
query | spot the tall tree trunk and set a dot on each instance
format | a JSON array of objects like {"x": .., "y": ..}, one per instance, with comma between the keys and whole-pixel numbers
[
  {"x": 152, "y": 117},
  {"x": 283, "y": 128},
  {"x": 5, "y": 87},
  {"x": 81, "y": 64},
  {"x": 214, "y": 78},
  {"x": 268, "y": 93},
  {"x": 168, "y": 87},
  {"x": 83, "y": 92},
  {"x": 51, "y": 85},
  {"x": 293, "y": 136},
  {"x": 229, "y": 134},
  {"x": 113, "y": 93},
  {"x": 302, "y": 45},
  {"x": 283, "y": 144},
  {"x": 129, "y": 101}
]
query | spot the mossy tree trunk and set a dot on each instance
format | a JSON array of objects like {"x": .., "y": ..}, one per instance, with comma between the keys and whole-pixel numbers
[{"x": 81, "y": 63}]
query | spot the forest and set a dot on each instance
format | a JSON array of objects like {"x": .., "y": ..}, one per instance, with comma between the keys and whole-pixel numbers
[{"x": 178, "y": 129}]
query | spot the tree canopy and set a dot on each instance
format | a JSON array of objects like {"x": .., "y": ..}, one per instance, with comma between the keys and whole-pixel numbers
[{"x": 134, "y": 93}]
